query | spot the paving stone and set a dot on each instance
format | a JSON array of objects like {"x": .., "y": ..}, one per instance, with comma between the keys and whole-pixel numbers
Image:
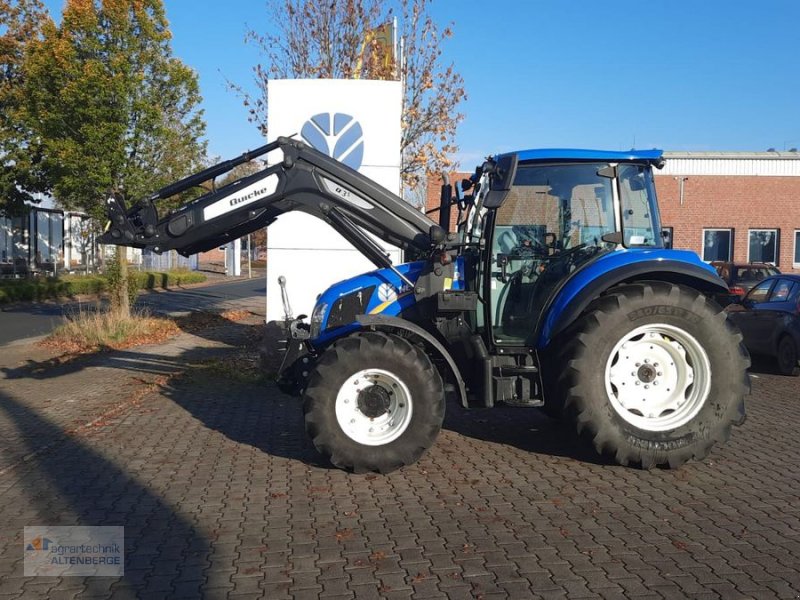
[{"x": 221, "y": 494}]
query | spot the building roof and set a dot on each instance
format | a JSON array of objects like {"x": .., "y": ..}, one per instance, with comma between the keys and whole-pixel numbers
[
  {"x": 721, "y": 155},
  {"x": 754, "y": 164}
]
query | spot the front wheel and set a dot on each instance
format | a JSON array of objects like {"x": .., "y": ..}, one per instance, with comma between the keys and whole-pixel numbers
[
  {"x": 374, "y": 402},
  {"x": 655, "y": 375}
]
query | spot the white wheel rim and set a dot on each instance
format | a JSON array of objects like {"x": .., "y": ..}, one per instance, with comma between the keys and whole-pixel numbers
[
  {"x": 373, "y": 407},
  {"x": 658, "y": 377}
]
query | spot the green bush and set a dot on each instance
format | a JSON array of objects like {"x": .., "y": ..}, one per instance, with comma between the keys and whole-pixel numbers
[{"x": 73, "y": 285}]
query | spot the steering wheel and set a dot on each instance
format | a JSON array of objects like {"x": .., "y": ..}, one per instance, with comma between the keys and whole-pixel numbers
[
  {"x": 529, "y": 248},
  {"x": 559, "y": 264},
  {"x": 569, "y": 251}
]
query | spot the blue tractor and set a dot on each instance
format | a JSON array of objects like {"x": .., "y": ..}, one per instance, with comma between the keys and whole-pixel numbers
[{"x": 555, "y": 291}]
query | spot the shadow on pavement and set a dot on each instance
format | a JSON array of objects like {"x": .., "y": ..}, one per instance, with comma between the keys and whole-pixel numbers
[
  {"x": 72, "y": 484},
  {"x": 258, "y": 415},
  {"x": 527, "y": 429},
  {"x": 219, "y": 330},
  {"x": 261, "y": 416}
]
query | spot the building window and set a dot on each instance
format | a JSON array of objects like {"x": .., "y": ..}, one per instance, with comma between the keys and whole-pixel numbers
[
  {"x": 763, "y": 246},
  {"x": 797, "y": 248},
  {"x": 717, "y": 244}
]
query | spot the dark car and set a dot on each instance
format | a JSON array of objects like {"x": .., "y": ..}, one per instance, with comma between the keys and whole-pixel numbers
[
  {"x": 769, "y": 317},
  {"x": 741, "y": 277}
]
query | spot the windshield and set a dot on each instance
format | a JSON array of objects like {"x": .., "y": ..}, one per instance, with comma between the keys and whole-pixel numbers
[
  {"x": 640, "y": 220},
  {"x": 559, "y": 206}
]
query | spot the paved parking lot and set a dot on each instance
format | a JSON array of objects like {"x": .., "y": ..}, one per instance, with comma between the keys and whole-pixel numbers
[{"x": 221, "y": 496}]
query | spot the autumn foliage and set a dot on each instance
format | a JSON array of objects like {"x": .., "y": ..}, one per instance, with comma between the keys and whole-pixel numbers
[{"x": 348, "y": 40}]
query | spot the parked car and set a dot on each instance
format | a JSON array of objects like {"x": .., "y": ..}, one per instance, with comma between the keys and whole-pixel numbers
[
  {"x": 741, "y": 277},
  {"x": 769, "y": 317}
]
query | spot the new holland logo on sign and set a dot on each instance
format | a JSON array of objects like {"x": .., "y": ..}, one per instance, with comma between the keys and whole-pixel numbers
[{"x": 338, "y": 135}]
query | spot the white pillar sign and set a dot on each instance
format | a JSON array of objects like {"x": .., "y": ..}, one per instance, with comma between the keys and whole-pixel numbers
[{"x": 356, "y": 122}]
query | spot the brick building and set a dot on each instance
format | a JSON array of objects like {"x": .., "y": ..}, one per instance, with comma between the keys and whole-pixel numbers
[
  {"x": 726, "y": 205},
  {"x": 734, "y": 205}
]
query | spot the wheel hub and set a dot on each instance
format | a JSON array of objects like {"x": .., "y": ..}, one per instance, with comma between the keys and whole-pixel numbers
[
  {"x": 374, "y": 407},
  {"x": 373, "y": 401},
  {"x": 658, "y": 377},
  {"x": 646, "y": 374}
]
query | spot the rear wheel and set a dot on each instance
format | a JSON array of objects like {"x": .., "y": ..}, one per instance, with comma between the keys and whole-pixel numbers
[
  {"x": 374, "y": 402},
  {"x": 655, "y": 375},
  {"x": 787, "y": 357}
]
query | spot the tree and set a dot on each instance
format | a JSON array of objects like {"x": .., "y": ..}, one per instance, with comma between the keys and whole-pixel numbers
[
  {"x": 20, "y": 22},
  {"x": 324, "y": 39},
  {"x": 113, "y": 110}
]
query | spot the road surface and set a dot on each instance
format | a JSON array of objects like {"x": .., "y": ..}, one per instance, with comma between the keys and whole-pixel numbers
[{"x": 32, "y": 320}]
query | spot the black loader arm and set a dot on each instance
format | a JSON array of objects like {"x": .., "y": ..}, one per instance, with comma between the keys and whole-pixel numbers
[{"x": 303, "y": 179}]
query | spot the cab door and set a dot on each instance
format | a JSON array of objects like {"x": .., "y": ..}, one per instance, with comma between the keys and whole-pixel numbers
[{"x": 552, "y": 220}]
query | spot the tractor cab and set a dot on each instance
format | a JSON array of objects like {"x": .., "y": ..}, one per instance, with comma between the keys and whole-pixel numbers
[{"x": 541, "y": 215}]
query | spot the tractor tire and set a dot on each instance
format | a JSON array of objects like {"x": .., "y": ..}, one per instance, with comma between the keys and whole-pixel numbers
[
  {"x": 374, "y": 402},
  {"x": 655, "y": 375},
  {"x": 787, "y": 357}
]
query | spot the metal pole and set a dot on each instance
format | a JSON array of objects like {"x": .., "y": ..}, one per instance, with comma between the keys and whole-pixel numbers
[{"x": 249, "y": 257}]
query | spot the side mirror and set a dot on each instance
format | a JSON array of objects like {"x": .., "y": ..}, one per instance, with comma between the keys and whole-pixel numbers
[{"x": 501, "y": 177}]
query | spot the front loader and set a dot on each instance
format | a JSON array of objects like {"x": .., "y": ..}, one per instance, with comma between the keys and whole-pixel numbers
[{"x": 556, "y": 292}]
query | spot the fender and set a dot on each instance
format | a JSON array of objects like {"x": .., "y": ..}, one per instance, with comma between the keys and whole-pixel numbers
[
  {"x": 388, "y": 323},
  {"x": 569, "y": 300}
]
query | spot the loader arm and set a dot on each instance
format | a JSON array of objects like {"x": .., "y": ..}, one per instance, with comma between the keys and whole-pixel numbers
[{"x": 303, "y": 179}]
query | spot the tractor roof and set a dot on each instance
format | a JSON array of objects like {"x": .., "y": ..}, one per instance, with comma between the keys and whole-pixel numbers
[{"x": 577, "y": 154}]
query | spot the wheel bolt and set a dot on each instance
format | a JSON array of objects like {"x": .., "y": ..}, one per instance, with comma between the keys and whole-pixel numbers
[
  {"x": 655, "y": 383},
  {"x": 647, "y": 387},
  {"x": 352, "y": 421},
  {"x": 647, "y": 360},
  {"x": 660, "y": 373},
  {"x": 637, "y": 383},
  {"x": 638, "y": 365}
]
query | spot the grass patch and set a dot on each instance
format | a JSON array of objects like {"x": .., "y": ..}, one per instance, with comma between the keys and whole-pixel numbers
[
  {"x": 74, "y": 285},
  {"x": 93, "y": 330}
]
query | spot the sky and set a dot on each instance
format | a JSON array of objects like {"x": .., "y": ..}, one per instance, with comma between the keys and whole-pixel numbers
[{"x": 675, "y": 75}]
